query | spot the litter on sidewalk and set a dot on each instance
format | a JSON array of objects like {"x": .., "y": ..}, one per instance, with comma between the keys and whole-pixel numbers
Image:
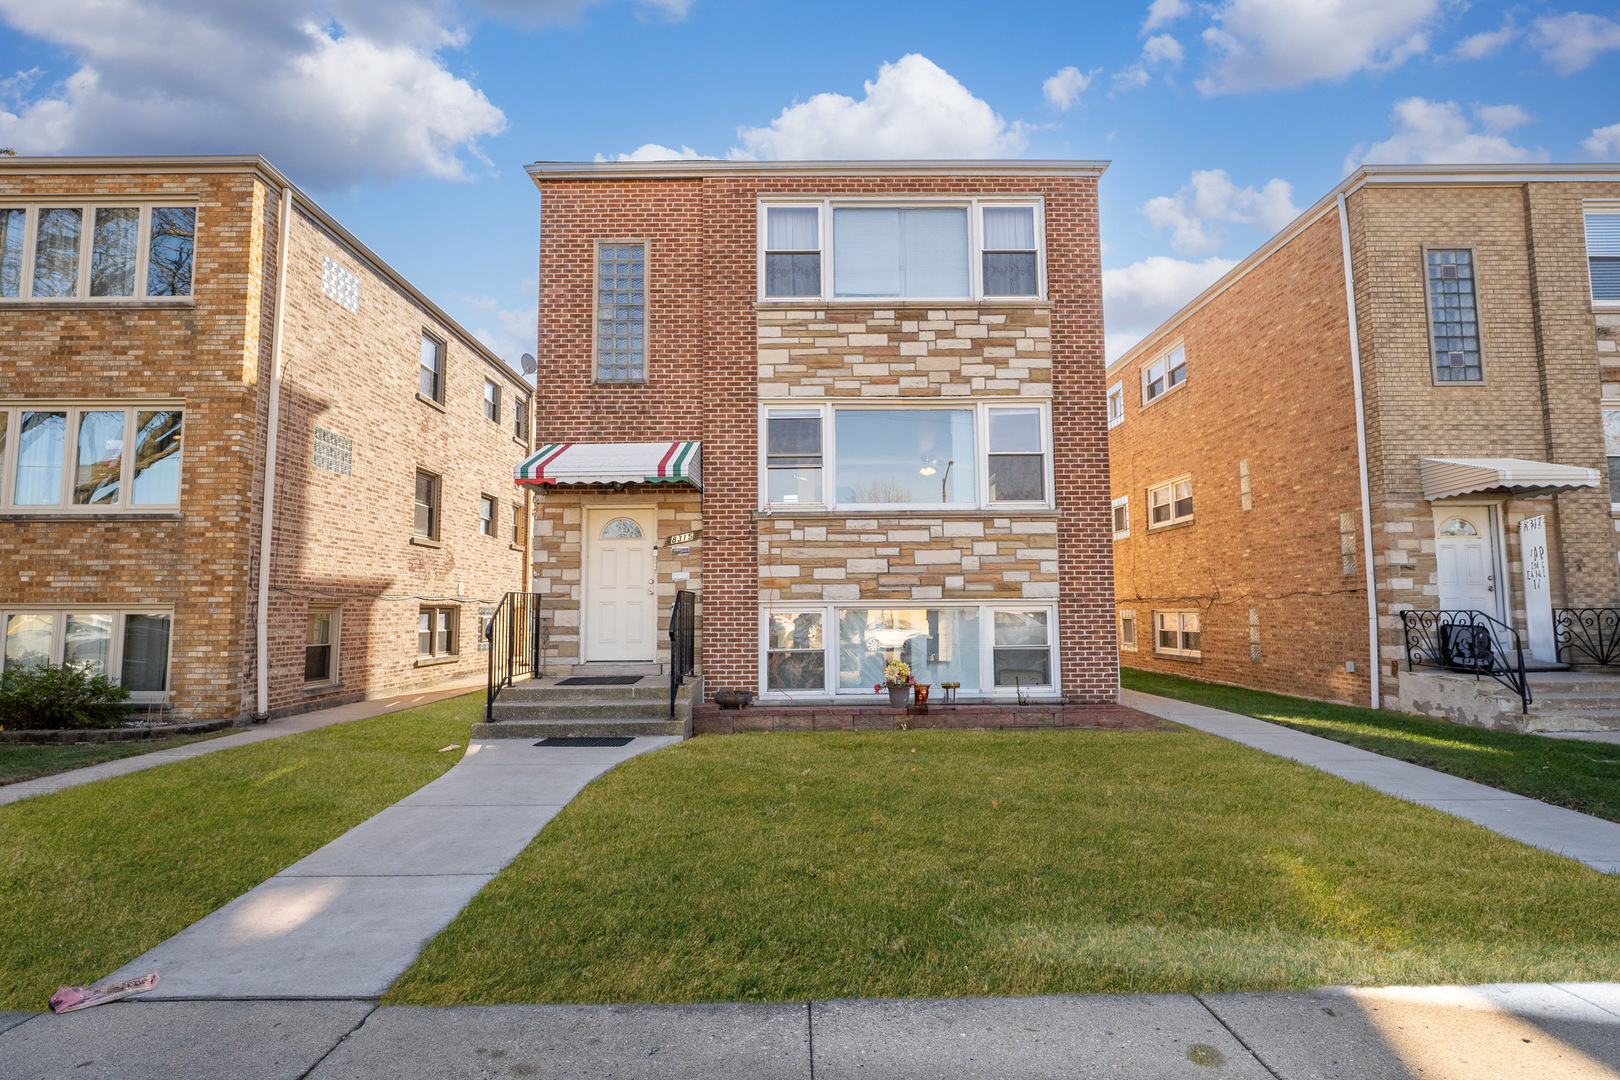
[{"x": 71, "y": 998}]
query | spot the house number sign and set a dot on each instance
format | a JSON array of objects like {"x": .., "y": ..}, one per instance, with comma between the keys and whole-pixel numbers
[{"x": 682, "y": 538}]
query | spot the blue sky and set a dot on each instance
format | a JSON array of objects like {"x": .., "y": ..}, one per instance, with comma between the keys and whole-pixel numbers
[{"x": 411, "y": 120}]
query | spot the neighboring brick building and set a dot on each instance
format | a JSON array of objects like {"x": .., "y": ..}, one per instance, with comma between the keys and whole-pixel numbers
[
  {"x": 1487, "y": 373},
  {"x": 891, "y": 374},
  {"x": 140, "y": 335}
]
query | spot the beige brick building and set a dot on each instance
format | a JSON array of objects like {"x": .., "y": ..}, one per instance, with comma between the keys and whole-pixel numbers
[
  {"x": 1276, "y": 451},
  {"x": 172, "y": 331}
]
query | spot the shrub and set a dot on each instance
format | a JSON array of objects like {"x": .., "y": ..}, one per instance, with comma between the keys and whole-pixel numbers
[{"x": 42, "y": 697}]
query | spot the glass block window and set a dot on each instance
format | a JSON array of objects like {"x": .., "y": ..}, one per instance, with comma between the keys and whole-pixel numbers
[
  {"x": 340, "y": 284},
  {"x": 621, "y": 320},
  {"x": 1455, "y": 318},
  {"x": 334, "y": 453}
]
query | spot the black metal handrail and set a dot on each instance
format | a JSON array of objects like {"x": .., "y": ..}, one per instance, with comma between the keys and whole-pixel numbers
[
  {"x": 513, "y": 636},
  {"x": 1471, "y": 642},
  {"x": 1593, "y": 631},
  {"x": 682, "y": 646}
]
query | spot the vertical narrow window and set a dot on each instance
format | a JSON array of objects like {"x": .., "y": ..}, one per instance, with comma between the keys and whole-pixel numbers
[
  {"x": 1122, "y": 517},
  {"x": 1455, "y": 318},
  {"x": 1602, "y": 255},
  {"x": 100, "y": 462},
  {"x": 1245, "y": 497},
  {"x": 427, "y": 505},
  {"x": 795, "y": 656},
  {"x": 156, "y": 472},
  {"x": 487, "y": 514},
  {"x": 1127, "y": 630},
  {"x": 444, "y": 638},
  {"x": 621, "y": 321},
  {"x": 87, "y": 642},
  {"x": 169, "y": 251},
  {"x": 1116, "y": 405},
  {"x": 1009, "y": 251},
  {"x": 1017, "y": 454},
  {"x": 1347, "y": 543},
  {"x": 12, "y": 223},
  {"x": 1023, "y": 653},
  {"x": 56, "y": 252},
  {"x": 792, "y": 251},
  {"x": 431, "y": 382},
  {"x": 1254, "y": 635},
  {"x": 520, "y": 418},
  {"x": 424, "y": 632},
  {"x": 112, "y": 251},
  {"x": 793, "y": 456},
  {"x": 41, "y": 441},
  {"x": 1611, "y": 447},
  {"x": 319, "y": 641},
  {"x": 146, "y": 653},
  {"x": 517, "y": 522},
  {"x": 492, "y": 402}
]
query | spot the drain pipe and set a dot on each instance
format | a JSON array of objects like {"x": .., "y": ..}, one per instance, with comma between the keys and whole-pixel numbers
[
  {"x": 1376, "y": 675},
  {"x": 267, "y": 526}
]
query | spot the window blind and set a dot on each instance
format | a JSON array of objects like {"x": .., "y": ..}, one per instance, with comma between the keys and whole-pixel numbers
[{"x": 900, "y": 252}]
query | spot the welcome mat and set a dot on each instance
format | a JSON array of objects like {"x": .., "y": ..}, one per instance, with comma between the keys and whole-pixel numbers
[
  {"x": 600, "y": 680},
  {"x": 586, "y": 740}
]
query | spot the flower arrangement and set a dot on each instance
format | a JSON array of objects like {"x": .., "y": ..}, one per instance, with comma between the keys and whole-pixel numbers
[{"x": 896, "y": 673}]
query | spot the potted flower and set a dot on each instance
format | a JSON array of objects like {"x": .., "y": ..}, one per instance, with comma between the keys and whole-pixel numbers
[{"x": 897, "y": 679}]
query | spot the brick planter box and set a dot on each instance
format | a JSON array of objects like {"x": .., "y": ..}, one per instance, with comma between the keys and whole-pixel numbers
[
  {"x": 712, "y": 720},
  {"x": 101, "y": 735}
]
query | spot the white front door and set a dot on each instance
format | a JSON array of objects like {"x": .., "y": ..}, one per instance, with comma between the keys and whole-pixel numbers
[
  {"x": 621, "y": 592},
  {"x": 1465, "y": 548}
]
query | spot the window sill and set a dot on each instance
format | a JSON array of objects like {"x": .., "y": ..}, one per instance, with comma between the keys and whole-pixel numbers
[
  {"x": 120, "y": 304},
  {"x": 890, "y": 512},
  {"x": 517, "y": 547},
  {"x": 98, "y": 515},
  {"x": 424, "y": 399},
  {"x": 1127, "y": 536},
  {"x": 896, "y": 303},
  {"x": 1605, "y": 306},
  {"x": 1180, "y": 659},
  {"x": 1172, "y": 527},
  {"x": 622, "y": 383},
  {"x": 427, "y": 542},
  {"x": 436, "y": 661},
  {"x": 524, "y": 443},
  {"x": 1161, "y": 397},
  {"x": 312, "y": 689}
]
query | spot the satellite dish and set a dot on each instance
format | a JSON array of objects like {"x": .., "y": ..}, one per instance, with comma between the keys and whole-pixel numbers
[{"x": 529, "y": 364}]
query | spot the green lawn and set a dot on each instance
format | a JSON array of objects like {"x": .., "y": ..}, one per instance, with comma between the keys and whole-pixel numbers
[
  {"x": 780, "y": 867},
  {"x": 1583, "y": 776},
  {"x": 93, "y": 876},
  {"x": 19, "y": 763}
]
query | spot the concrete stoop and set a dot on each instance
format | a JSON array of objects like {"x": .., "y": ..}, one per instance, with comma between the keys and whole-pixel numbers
[
  {"x": 541, "y": 709},
  {"x": 1560, "y": 700}
]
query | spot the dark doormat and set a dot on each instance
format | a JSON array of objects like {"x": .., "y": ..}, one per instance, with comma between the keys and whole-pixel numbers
[
  {"x": 600, "y": 680},
  {"x": 586, "y": 740}
]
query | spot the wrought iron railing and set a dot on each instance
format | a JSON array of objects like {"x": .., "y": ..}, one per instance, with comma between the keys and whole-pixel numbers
[
  {"x": 1594, "y": 633},
  {"x": 1470, "y": 642},
  {"x": 513, "y": 634},
  {"x": 682, "y": 643}
]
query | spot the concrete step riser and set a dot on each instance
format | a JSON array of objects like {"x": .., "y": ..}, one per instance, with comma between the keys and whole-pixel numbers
[
  {"x": 640, "y": 711},
  {"x": 546, "y": 729},
  {"x": 653, "y": 692},
  {"x": 619, "y": 669},
  {"x": 1609, "y": 688}
]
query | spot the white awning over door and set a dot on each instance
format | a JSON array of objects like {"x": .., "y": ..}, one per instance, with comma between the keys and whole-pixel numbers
[{"x": 1444, "y": 478}]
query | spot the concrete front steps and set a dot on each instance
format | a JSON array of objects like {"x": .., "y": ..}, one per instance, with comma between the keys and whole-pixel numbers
[
  {"x": 1561, "y": 701},
  {"x": 539, "y": 708}
]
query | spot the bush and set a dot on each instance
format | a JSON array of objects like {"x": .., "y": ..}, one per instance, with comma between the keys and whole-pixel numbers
[{"x": 41, "y": 697}]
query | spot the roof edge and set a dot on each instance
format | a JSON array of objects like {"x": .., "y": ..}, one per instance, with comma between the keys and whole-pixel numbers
[{"x": 694, "y": 168}]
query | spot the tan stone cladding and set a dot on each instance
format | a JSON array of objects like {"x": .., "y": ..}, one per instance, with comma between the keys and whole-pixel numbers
[
  {"x": 882, "y": 557},
  {"x": 842, "y": 352}
]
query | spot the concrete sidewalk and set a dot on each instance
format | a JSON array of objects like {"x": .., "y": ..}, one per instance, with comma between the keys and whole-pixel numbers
[
  {"x": 1577, "y": 836},
  {"x": 274, "y": 729},
  {"x": 1535, "y": 1030},
  {"x": 349, "y": 919}
]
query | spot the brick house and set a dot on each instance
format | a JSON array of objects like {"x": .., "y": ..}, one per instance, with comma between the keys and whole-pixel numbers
[
  {"x": 1263, "y": 440},
  {"x": 172, "y": 330},
  {"x": 856, "y": 408}
]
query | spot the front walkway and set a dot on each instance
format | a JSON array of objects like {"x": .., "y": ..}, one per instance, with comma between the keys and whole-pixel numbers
[
  {"x": 1577, "y": 836},
  {"x": 1564, "y": 1032},
  {"x": 349, "y": 919}
]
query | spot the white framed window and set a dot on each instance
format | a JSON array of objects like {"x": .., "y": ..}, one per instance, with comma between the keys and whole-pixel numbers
[
  {"x": 621, "y": 311},
  {"x": 953, "y": 454},
  {"x": 90, "y": 457},
  {"x": 1127, "y": 630},
  {"x": 1116, "y": 405},
  {"x": 915, "y": 249},
  {"x": 1603, "y": 256},
  {"x": 1177, "y": 633},
  {"x": 996, "y": 650},
  {"x": 436, "y": 631},
  {"x": 73, "y": 249},
  {"x": 128, "y": 645},
  {"x": 1122, "y": 517},
  {"x": 1164, "y": 374},
  {"x": 1170, "y": 503},
  {"x": 492, "y": 402},
  {"x": 430, "y": 379},
  {"x": 488, "y": 514},
  {"x": 322, "y": 627}
]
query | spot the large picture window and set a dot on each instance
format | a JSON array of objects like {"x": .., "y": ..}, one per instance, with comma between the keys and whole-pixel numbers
[
  {"x": 896, "y": 456},
  {"x": 86, "y": 458},
  {"x": 131, "y": 647},
  {"x": 82, "y": 251}
]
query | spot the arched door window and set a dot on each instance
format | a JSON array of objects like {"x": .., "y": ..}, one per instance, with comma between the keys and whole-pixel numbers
[
  {"x": 621, "y": 529},
  {"x": 1458, "y": 527}
]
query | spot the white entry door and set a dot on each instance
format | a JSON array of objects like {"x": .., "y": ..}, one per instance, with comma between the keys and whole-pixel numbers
[
  {"x": 1465, "y": 548},
  {"x": 621, "y": 590}
]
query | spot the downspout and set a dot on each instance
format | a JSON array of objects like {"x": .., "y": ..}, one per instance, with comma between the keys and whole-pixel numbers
[
  {"x": 267, "y": 525},
  {"x": 1361, "y": 454}
]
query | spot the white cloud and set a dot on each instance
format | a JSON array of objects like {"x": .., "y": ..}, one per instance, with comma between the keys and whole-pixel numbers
[
  {"x": 1163, "y": 13},
  {"x": 1131, "y": 78},
  {"x": 1209, "y": 200},
  {"x": 516, "y": 329},
  {"x": 1570, "y": 42},
  {"x": 1137, "y": 298},
  {"x": 654, "y": 152},
  {"x": 1604, "y": 143},
  {"x": 1437, "y": 133},
  {"x": 1162, "y": 48},
  {"x": 1271, "y": 44},
  {"x": 914, "y": 109},
  {"x": 1489, "y": 43},
  {"x": 332, "y": 94},
  {"x": 1063, "y": 90}
]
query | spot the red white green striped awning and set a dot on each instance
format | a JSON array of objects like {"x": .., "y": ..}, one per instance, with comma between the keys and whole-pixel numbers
[{"x": 612, "y": 463}]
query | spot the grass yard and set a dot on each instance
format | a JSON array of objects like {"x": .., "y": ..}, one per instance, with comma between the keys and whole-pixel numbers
[
  {"x": 93, "y": 876},
  {"x": 780, "y": 867},
  {"x": 19, "y": 763},
  {"x": 1583, "y": 776}
]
